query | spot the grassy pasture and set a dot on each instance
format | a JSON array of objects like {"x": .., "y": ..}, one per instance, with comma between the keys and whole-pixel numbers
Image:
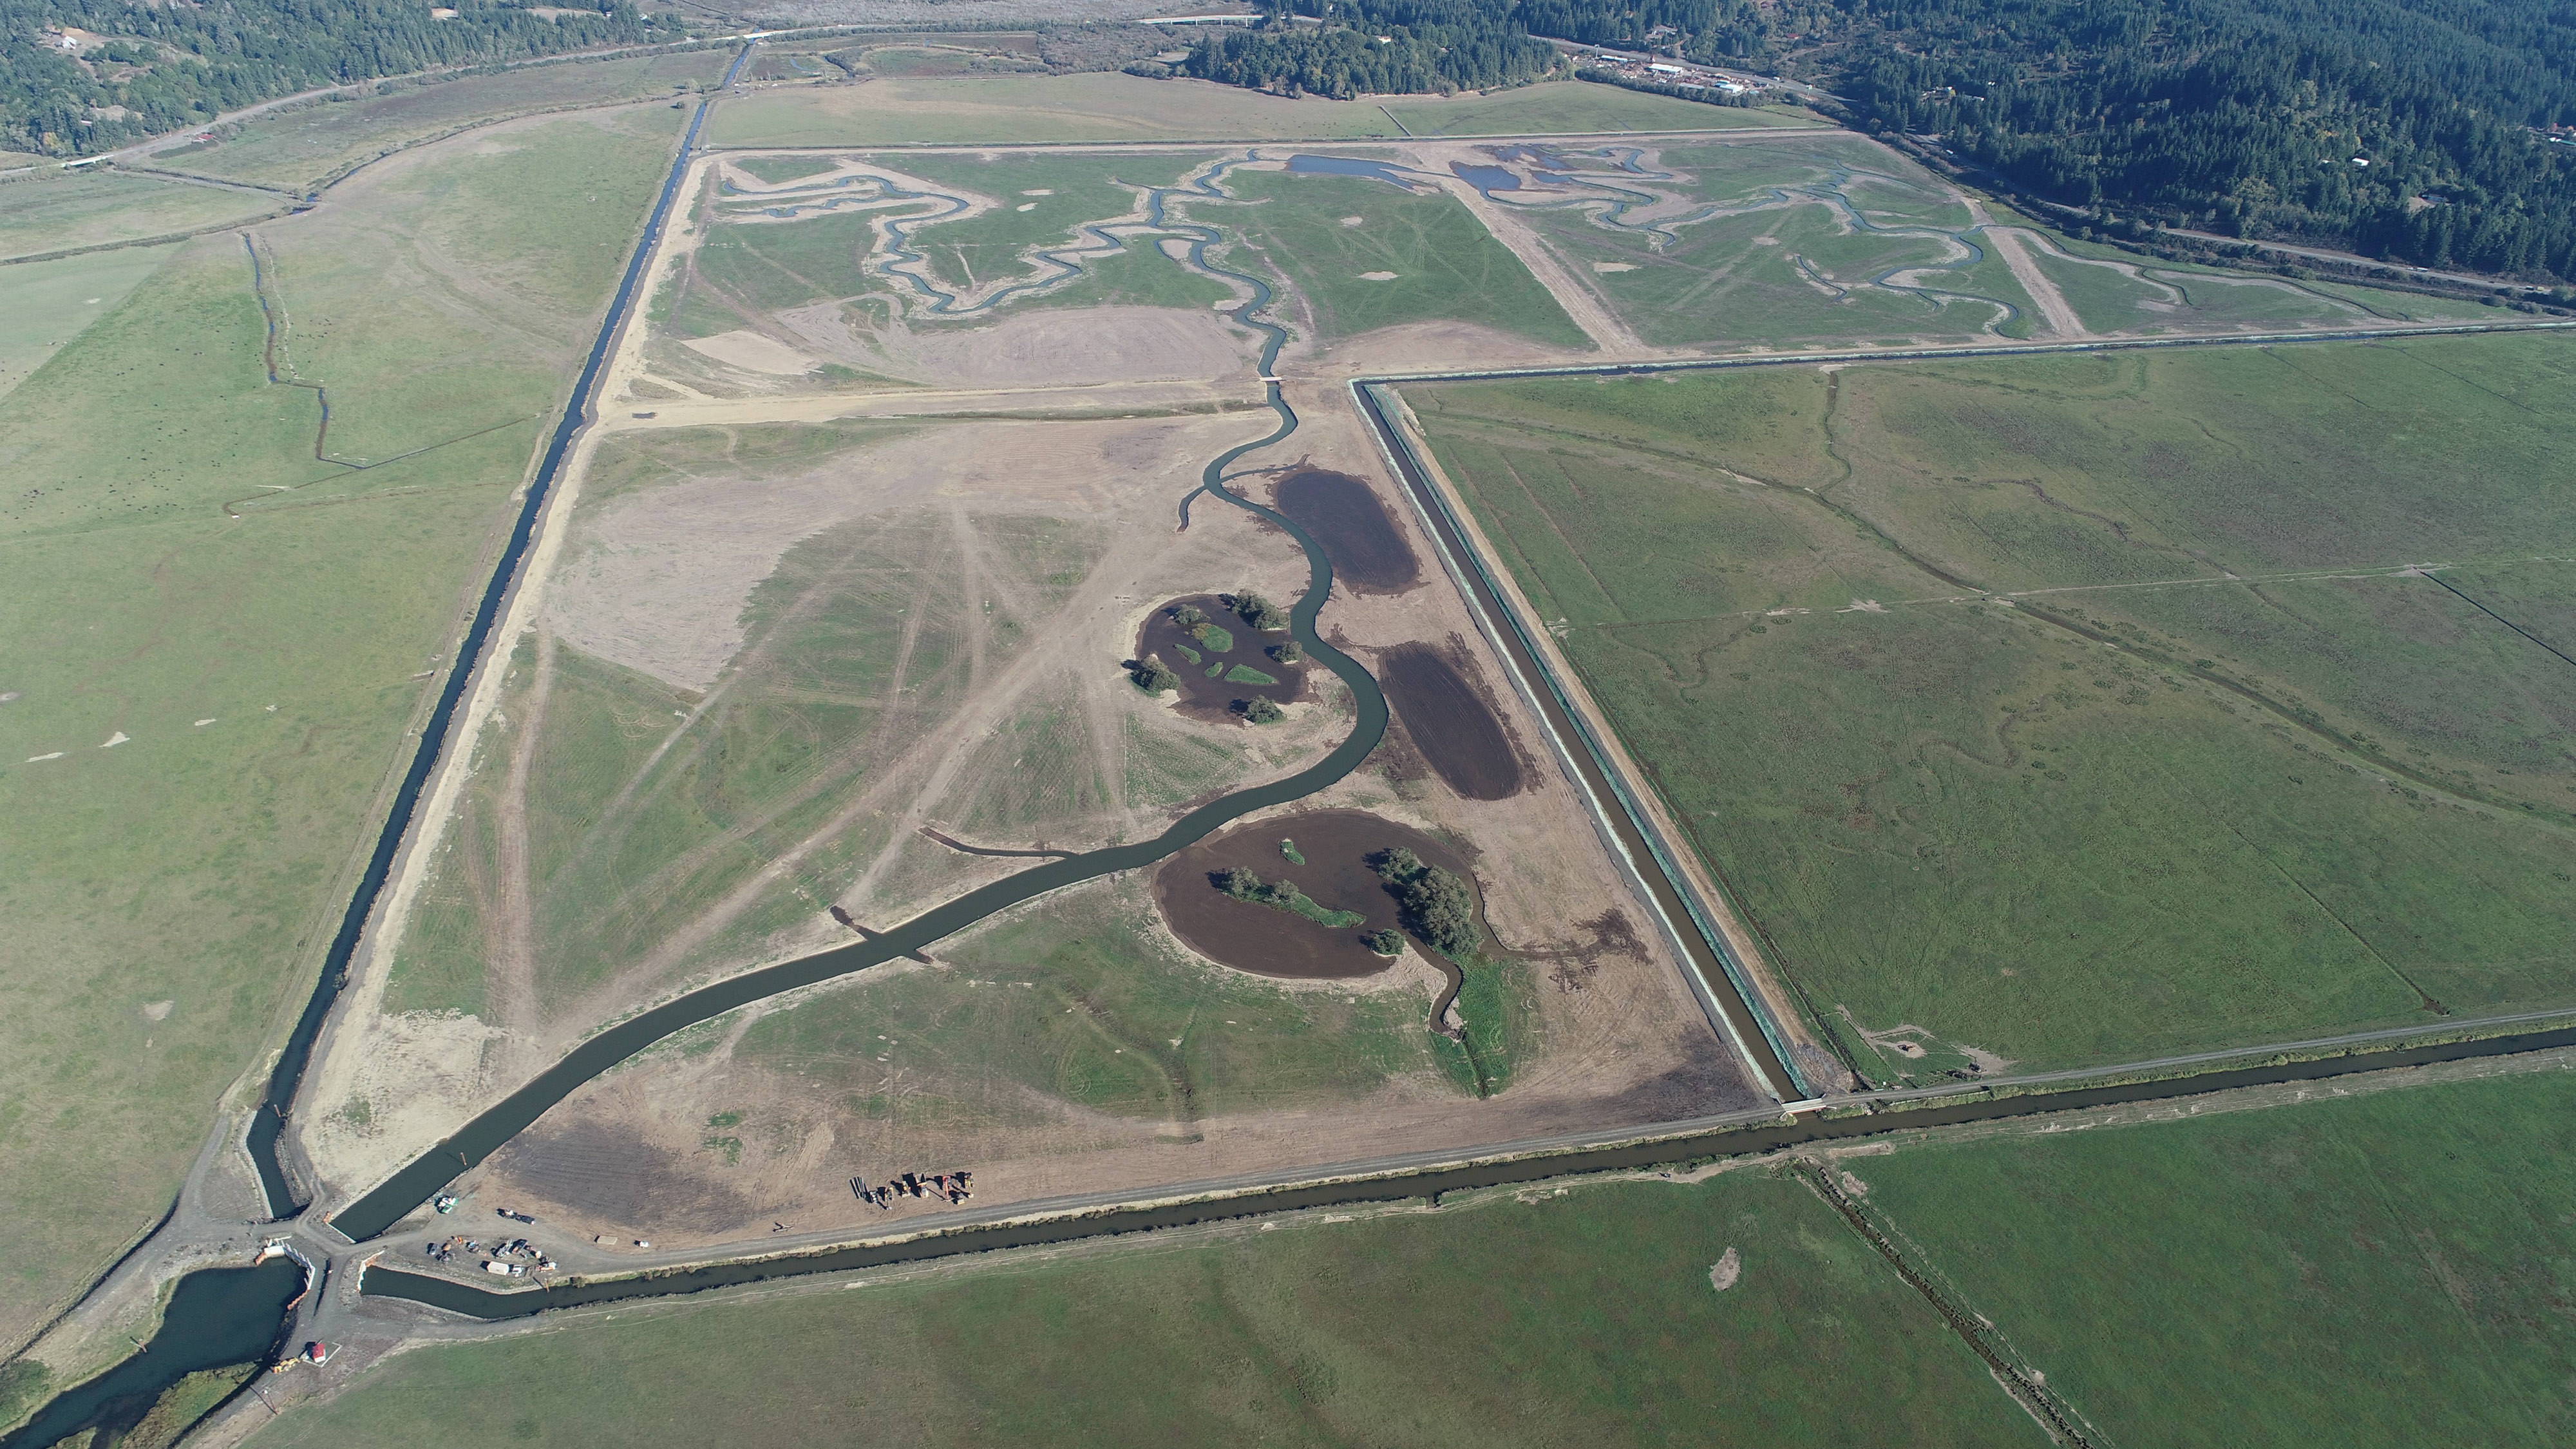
[
  {"x": 2276, "y": 806},
  {"x": 1094, "y": 1028},
  {"x": 302, "y": 146},
  {"x": 1578, "y": 108},
  {"x": 46, "y": 304},
  {"x": 762, "y": 767},
  {"x": 166, "y": 896},
  {"x": 105, "y": 208},
  {"x": 2216, "y": 295},
  {"x": 1032, "y": 109},
  {"x": 1795, "y": 275},
  {"x": 1583, "y": 1318},
  {"x": 2108, "y": 301},
  {"x": 1447, "y": 267},
  {"x": 769, "y": 266},
  {"x": 1081, "y": 188},
  {"x": 1141, "y": 276},
  {"x": 643, "y": 810},
  {"x": 931, "y": 109},
  {"x": 2385, "y": 1270},
  {"x": 774, "y": 169}
]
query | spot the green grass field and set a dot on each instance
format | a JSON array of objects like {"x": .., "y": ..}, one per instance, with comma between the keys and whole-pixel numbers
[
  {"x": 1446, "y": 266},
  {"x": 2166, "y": 300},
  {"x": 2218, "y": 773},
  {"x": 1116, "y": 107},
  {"x": 1019, "y": 109},
  {"x": 1078, "y": 189},
  {"x": 1791, "y": 274},
  {"x": 774, "y": 169},
  {"x": 250, "y": 626},
  {"x": 1095, "y": 1029},
  {"x": 1577, "y": 108},
  {"x": 99, "y": 208},
  {"x": 1583, "y": 1318},
  {"x": 44, "y": 305},
  {"x": 1141, "y": 276},
  {"x": 2389, "y": 1270},
  {"x": 303, "y": 146},
  {"x": 743, "y": 270},
  {"x": 769, "y": 266},
  {"x": 2216, "y": 297},
  {"x": 642, "y": 813},
  {"x": 622, "y": 856}
]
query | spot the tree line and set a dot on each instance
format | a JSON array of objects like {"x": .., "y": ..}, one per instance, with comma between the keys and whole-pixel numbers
[
  {"x": 2413, "y": 130},
  {"x": 1378, "y": 47},
  {"x": 171, "y": 66}
]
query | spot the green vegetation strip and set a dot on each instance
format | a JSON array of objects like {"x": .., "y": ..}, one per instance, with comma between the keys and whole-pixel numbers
[
  {"x": 1660, "y": 526},
  {"x": 1283, "y": 895},
  {"x": 2376, "y": 1271},
  {"x": 1587, "y": 1317},
  {"x": 1745, "y": 1134}
]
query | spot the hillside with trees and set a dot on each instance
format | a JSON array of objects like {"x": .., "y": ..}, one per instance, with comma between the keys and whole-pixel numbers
[
  {"x": 82, "y": 76},
  {"x": 1383, "y": 47},
  {"x": 2416, "y": 130}
]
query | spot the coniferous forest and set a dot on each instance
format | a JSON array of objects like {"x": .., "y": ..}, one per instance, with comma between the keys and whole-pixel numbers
[
  {"x": 2414, "y": 130},
  {"x": 142, "y": 69}
]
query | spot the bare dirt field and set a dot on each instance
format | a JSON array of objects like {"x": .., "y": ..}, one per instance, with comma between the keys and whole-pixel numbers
[
  {"x": 1032, "y": 1052},
  {"x": 975, "y": 701},
  {"x": 847, "y": 640}
]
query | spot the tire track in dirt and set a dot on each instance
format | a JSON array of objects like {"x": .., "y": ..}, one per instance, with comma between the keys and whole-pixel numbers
[
  {"x": 599, "y": 1003},
  {"x": 719, "y": 704}
]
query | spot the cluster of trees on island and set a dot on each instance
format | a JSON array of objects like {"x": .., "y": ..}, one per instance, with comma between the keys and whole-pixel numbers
[
  {"x": 164, "y": 67},
  {"x": 1153, "y": 676},
  {"x": 1436, "y": 905},
  {"x": 2419, "y": 131}
]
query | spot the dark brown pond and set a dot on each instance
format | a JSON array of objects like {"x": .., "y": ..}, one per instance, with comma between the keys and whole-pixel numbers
[
  {"x": 1368, "y": 551},
  {"x": 1221, "y": 669},
  {"x": 1267, "y": 941},
  {"x": 1442, "y": 700}
]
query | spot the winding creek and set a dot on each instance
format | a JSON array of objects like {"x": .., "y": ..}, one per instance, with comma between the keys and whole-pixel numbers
[
  {"x": 235, "y": 1315},
  {"x": 417, "y": 1181}
]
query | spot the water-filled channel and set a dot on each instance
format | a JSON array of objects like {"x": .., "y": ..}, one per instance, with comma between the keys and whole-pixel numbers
[
  {"x": 217, "y": 1317},
  {"x": 1762, "y": 1136}
]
